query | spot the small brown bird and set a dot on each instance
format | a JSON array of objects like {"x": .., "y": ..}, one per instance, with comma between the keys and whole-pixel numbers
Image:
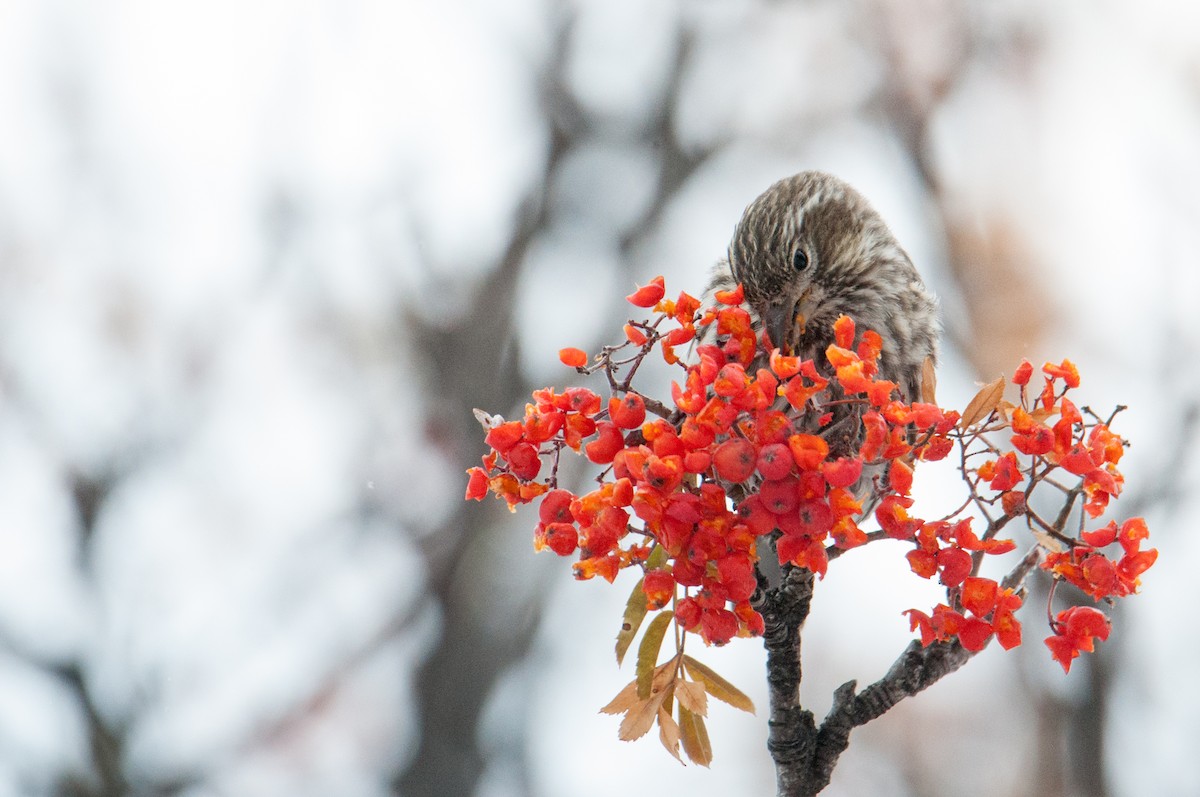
[{"x": 810, "y": 249}]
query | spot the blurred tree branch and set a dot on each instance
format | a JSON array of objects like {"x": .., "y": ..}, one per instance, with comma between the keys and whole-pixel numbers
[{"x": 475, "y": 361}]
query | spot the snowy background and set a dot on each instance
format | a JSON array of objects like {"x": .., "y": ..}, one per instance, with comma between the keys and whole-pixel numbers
[{"x": 258, "y": 261}]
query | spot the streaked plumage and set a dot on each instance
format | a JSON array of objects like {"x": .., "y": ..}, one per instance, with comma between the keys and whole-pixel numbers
[{"x": 810, "y": 249}]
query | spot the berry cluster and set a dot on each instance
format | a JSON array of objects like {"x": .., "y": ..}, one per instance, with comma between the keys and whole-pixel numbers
[{"x": 689, "y": 487}]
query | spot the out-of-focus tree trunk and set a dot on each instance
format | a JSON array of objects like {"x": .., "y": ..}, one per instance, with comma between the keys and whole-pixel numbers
[
  {"x": 1003, "y": 315},
  {"x": 476, "y": 362}
]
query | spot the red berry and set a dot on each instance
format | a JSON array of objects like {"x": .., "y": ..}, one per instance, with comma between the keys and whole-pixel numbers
[
  {"x": 524, "y": 461},
  {"x": 780, "y": 497},
  {"x": 775, "y": 461},
  {"x": 505, "y": 436},
  {"x": 562, "y": 538},
  {"x": 628, "y": 411},
  {"x": 842, "y": 472},
  {"x": 735, "y": 459},
  {"x": 477, "y": 485},
  {"x": 556, "y": 507},
  {"x": 608, "y": 442}
]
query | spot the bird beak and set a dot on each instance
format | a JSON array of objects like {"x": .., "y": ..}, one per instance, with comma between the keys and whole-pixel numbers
[
  {"x": 781, "y": 318},
  {"x": 777, "y": 319}
]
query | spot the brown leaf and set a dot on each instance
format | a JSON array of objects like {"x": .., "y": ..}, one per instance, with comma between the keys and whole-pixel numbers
[
  {"x": 695, "y": 737},
  {"x": 692, "y": 695},
  {"x": 1043, "y": 539},
  {"x": 717, "y": 686},
  {"x": 640, "y": 718},
  {"x": 986, "y": 400},
  {"x": 1040, "y": 413},
  {"x": 664, "y": 674},
  {"x": 928, "y": 382},
  {"x": 635, "y": 612},
  {"x": 626, "y": 698},
  {"x": 648, "y": 651},
  {"x": 668, "y": 732}
]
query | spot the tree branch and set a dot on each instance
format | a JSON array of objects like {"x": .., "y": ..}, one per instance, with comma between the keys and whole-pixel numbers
[
  {"x": 804, "y": 754},
  {"x": 792, "y": 736},
  {"x": 916, "y": 669}
]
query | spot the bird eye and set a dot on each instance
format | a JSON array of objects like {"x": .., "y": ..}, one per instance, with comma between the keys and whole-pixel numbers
[{"x": 800, "y": 260}]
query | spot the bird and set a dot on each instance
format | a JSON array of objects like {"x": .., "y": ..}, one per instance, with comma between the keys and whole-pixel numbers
[{"x": 811, "y": 248}]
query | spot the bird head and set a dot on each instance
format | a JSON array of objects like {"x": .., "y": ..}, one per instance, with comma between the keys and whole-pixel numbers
[{"x": 807, "y": 250}]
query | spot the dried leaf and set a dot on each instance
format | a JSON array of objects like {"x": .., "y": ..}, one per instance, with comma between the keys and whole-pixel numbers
[
  {"x": 692, "y": 695},
  {"x": 668, "y": 732},
  {"x": 639, "y": 719},
  {"x": 928, "y": 382},
  {"x": 1040, "y": 414},
  {"x": 1046, "y": 541},
  {"x": 625, "y": 699},
  {"x": 986, "y": 400},
  {"x": 635, "y": 612},
  {"x": 664, "y": 674},
  {"x": 694, "y": 735},
  {"x": 648, "y": 651},
  {"x": 488, "y": 422},
  {"x": 717, "y": 686}
]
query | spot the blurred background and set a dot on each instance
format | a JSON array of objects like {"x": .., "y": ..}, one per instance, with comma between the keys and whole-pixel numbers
[{"x": 259, "y": 261}]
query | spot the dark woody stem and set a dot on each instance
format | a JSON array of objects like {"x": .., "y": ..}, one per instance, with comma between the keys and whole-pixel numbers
[{"x": 805, "y": 754}]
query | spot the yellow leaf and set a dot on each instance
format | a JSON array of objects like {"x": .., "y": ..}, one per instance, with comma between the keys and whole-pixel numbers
[
  {"x": 986, "y": 400},
  {"x": 695, "y": 737},
  {"x": 928, "y": 382},
  {"x": 635, "y": 612},
  {"x": 668, "y": 732},
  {"x": 692, "y": 695},
  {"x": 648, "y": 651},
  {"x": 717, "y": 686},
  {"x": 626, "y": 698}
]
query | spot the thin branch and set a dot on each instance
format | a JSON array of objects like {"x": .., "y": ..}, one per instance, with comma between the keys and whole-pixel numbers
[{"x": 916, "y": 669}]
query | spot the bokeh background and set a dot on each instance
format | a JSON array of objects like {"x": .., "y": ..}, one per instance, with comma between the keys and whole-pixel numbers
[{"x": 259, "y": 261}]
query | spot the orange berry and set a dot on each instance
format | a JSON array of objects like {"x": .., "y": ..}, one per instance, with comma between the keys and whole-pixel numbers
[
  {"x": 735, "y": 296},
  {"x": 1023, "y": 372},
  {"x": 648, "y": 295},
  {"x": 808, "y": 450},
  {"x": 573, "y": 358}
]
